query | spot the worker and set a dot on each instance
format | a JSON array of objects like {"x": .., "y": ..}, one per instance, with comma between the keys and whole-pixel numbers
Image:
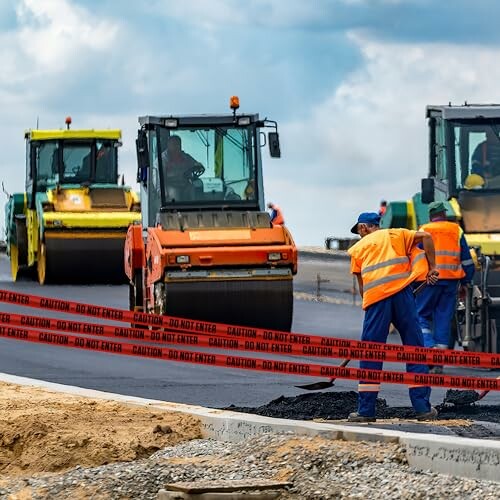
[
  {"x": 474, "y": 181},
  {"x": 178, "y": 163},
  {"x": 104, "y": 165},
  {"x": 486, "y": 156},
  {"x": 436, "y": 304},
  {"x": 383, "y": 208},
  {"x": 182, "y": 171},
  {"x": 276, "y": 214},
  {"x": 381, "y": 263}
]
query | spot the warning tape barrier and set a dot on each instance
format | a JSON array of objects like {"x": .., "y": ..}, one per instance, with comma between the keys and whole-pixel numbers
[
  {"x": 263, "y": 365},
  {"x": 347, "y": 348},
  {"x": 316, "y": 348}
]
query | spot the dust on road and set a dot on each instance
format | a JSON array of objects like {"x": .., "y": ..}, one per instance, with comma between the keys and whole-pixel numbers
[{"x": 42, "y": 431}]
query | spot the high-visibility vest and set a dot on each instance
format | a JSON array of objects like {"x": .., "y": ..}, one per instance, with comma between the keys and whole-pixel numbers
[
  {"x": 446, "y": 237},
  {"x": 278, "y": 217},
  {"x": 385, "y": 270},
  {"x": 419, "y": 264}
]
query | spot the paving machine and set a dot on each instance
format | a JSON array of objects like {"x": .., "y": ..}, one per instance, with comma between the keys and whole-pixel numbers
[
  {"x": 207, "y": 248},
  {"x": 464, "y": 172},
  {"x": 70, "y": 223}
]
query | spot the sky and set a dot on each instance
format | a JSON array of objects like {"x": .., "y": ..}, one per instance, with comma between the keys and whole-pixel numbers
[{"x": 346, "y": 80}]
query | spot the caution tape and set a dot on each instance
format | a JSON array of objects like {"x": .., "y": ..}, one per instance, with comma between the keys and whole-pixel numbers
[
  {"x": 379, "y": 351},
  {"x": 263, "y": 365},
  {"x": 310, "y": 345}
]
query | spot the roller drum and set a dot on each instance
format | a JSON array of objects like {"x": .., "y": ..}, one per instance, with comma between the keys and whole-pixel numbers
[
  {"x": 94, "y": 260},
  {"x": 258, "y": 303}
]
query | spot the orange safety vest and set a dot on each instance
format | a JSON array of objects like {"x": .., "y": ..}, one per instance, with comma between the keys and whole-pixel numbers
[
  {"x": 385, "y": 270},
  {"x": 279, "y": 219},
  {"x": 446, "y": 236},
  {"x": 419, "y": 264}
]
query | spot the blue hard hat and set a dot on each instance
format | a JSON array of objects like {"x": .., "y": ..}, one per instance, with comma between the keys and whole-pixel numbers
[{"x": 366, "y": 218}]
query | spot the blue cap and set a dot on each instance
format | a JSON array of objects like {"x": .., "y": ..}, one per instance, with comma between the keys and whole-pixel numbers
[{"x": 366, "y": 218}]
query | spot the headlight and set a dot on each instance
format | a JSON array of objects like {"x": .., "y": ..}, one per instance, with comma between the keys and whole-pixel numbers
[
  {"x": 274, "y": 256},
  {"x": 243, "y": 120},
  {"x": 182, "y": 259},
  {"x": 171, "y": 122}
]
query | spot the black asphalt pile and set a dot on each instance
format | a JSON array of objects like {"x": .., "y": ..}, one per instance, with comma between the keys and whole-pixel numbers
[
  {"x": 324, "y": 405},
  {"x": 460, "y": 398},
  {"x": 337, "y": 406}
]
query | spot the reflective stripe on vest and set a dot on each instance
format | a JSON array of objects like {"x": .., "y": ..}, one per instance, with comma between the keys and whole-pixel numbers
[
  {"x": 380, "y": 265},
  {"x": 385, "y": 279},
  {"x": 384, "y": 271},
  {"x": 446, "y": 237},
  {"x": 419, "y": 264}
]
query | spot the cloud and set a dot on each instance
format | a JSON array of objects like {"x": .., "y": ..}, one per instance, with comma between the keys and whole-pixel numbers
[
  {"x": 368, "y": 139},
  {"x": 48, "y": 48},
  {"x": 53, "y": 36},
  {"x": 224, "y": 14}
]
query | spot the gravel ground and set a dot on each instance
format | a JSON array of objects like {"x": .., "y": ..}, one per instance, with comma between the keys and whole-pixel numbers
[{"x": 318, "y": 469}]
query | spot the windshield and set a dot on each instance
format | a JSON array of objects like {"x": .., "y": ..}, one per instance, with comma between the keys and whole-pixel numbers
[
  {"x": 63, "y": 162},
  {"x": 477, "y": 154},
  {"x": 205, "y": 166}
]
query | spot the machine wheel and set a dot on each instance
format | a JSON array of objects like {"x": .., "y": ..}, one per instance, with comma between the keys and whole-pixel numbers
[
  {"x": 42, "y": 266},
  {"x": 135, "y": 296},
  {"x": 19, "y": 252},
  {"x": 453, "y": 339},
  {"x": 22, "y": 243},
  {"x": 14, "y": 261}
]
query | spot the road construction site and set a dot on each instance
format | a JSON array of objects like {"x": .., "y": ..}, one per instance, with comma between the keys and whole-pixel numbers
[
  {"x": 60, "y": 426},
  {"x": 61, "y": 445}
]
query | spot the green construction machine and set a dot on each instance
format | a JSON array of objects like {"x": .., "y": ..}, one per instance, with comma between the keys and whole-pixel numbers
[
  {"x": 464, "y": 172},
  {"x": 70, "y": 223}
]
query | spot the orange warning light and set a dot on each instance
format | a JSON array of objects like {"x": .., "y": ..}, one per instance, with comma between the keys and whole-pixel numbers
[
  {"x": 234, "y": 102},
  {"x": 67, "y": 121}
]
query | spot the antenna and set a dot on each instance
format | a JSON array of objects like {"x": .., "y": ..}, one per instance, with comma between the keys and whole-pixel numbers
[
  {"x": 37, "y": 121},
  {"x": 5, "y": 191}
]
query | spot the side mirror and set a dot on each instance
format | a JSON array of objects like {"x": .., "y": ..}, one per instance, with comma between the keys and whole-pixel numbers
[
  {"x": 428, "y": 190},
  {"x": 274, "y": 144},
  {"x": 141, "y": 146}
]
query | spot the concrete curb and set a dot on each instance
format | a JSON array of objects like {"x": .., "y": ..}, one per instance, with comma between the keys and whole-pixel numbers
[{"x": 465, "y": 457}]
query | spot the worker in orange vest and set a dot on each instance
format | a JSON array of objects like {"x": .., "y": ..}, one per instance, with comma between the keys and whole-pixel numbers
[
  {"x": 383, "y": 208},
  {"x": 276, "y": 214},
  {"x": 436, "y": 304},
  {"x": 381, "y": 261}
]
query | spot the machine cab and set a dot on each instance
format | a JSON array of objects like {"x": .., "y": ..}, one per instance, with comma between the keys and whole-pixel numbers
[
  {"x": 464, "y": 163},
  {"x": 70, "y": 157},
  {"x": 202, "y": 163}
]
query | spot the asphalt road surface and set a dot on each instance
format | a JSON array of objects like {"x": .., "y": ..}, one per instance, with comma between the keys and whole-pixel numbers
[{"x": 193, "y": 384}]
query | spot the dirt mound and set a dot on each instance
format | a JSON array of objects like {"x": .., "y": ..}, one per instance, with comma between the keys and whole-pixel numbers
[{"x": 43, "y": 431}]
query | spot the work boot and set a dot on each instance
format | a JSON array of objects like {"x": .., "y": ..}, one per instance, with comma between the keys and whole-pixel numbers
[
  {"x": 356, "y": 417},
  {"x": 428, "y": 415},
  {"x": 436, "y": 370}
]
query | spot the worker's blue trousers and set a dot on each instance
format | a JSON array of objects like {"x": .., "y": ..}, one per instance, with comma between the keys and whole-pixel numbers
[
  {"x": 400, "y": 310},
  {"x": 435, "y": 308}
]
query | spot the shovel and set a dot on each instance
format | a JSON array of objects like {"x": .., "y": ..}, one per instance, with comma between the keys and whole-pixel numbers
[
  {"x": 483, "y": 393},
  {"x": 318, "y": 386},
  {"x": 325, "y": 384}
]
